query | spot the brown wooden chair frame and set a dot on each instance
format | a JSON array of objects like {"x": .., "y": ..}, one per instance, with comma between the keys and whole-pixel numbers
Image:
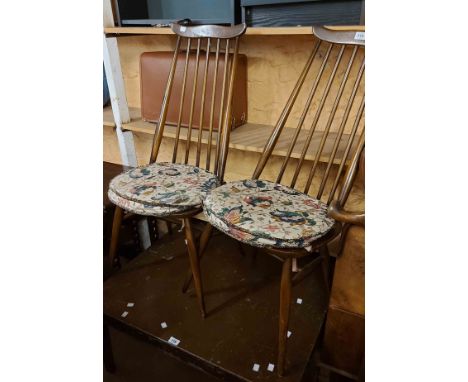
[
  {"x": 339, "y": 40},
  {"x": 334, "y": 38},
  {"x": 219, "y": 36}
]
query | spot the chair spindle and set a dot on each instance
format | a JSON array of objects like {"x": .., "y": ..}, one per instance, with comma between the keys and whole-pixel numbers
[
  {"x": 305, "y": 111},
  {"x": 223, "y": 91},
  {"x": 182, "y": 99},
  {"x": 316, "y": 117},
  {"x": 347, "y": 150},
  {"x": 213, "y": 99},
  {"x": 336, "y": 144},
  {"x": 318, "y": 154},
  {"x": 192, "y": 105},
  {"x": 164, "y": 109}
]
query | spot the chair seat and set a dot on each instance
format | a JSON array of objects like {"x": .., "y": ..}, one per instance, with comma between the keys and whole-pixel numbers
[
  {"x": 267, "y": 214},
  {"x": 161, "y": 189}
]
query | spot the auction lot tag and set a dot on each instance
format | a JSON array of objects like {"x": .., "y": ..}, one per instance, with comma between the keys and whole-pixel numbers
[
  {"x": 361, "y": 36},
  {"x": 174, "y": 341}
]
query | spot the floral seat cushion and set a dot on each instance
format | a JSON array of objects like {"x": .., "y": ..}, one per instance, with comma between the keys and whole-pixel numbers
[
  {"x": 161, "y": 189},
  {"x": 267, "y": 214}
]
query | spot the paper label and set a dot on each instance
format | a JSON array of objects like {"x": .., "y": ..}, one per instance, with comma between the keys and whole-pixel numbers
[
  {"x": 256, "y": 367},
  {"x": 183, "y": 29},
  {"x": 130, "y": 305},
  {"x": 361, "y": 36},
  {"x": 299, "y": 300},
  {"x": 174, "y": 341},
  {"x": 163, "y": 325},
  {"x": 271, "y": 367},
  {"x": 289, "y": 334},
  {"x": 124, "y": 314}
]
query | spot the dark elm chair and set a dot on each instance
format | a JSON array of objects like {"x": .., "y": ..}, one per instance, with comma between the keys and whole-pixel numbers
[
  {"x": 284, "y": 221},
  {"x": 175, "y": 189}
]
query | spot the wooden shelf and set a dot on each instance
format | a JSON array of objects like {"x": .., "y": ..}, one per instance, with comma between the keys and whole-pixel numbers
[
  {"x": 108, "y": 117},
  {"x": 249, "y": 137},
  {"x": 258, "y": 31}
]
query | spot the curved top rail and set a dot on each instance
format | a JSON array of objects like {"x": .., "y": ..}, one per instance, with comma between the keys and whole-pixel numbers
[
  {"x": 340, "y": 37},
  {"x": 212, "y": 31}
]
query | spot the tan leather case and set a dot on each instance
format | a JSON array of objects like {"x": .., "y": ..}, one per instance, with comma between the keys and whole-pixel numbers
[{"x": 154, "y": 71}]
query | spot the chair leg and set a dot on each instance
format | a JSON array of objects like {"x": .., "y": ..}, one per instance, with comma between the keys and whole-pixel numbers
[
  {"x": 114, "y": 244},
  {"x": 194, "y": 264},
  {"x": 204, "y": 239},
  {"x": 169, "y": 227},
  {"x": 285, "y": 303}
]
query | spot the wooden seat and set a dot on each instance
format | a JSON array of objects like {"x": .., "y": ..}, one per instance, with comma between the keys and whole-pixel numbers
[
  {"x": 175, "y": 190},
  {"x": 326, "y": 106}
]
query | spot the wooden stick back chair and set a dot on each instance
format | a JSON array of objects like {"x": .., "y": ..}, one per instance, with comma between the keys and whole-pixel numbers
[
  {"x": 176, "y": 188},
  {"x": 223, "y": 42},
  {"x": 312, "y": 142},
  {"x": 321, "y": 130}
]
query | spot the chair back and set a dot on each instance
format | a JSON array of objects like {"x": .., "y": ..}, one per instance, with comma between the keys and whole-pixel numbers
[
  {"x": 200, "y": 43},
  {"x": 324, "y": 114}
]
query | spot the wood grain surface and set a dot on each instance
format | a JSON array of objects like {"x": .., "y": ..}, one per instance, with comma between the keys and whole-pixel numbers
[{"x": 274, "y": 64}]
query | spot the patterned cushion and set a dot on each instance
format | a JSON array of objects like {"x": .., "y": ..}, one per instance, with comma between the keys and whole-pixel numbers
[
  {"x": 140, "y": 208},
  {"x": 161, "y": 189},
  {"x": 266, "y": 214}
]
